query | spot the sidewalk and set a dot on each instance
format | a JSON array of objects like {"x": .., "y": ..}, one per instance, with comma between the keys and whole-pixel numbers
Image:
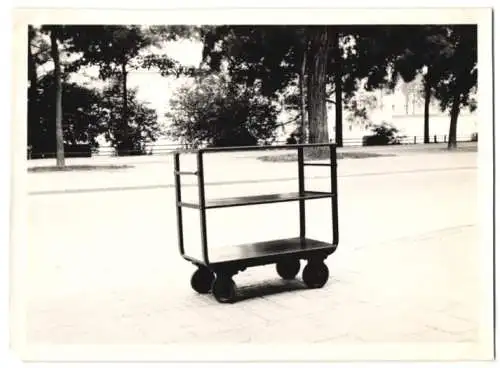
[
  {"x": 105, "y": 267},
  {"x": 397, "y": 292},
  {"x": 134, "y": 160}
]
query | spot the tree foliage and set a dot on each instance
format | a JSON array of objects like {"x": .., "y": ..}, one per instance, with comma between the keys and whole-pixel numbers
[
  {"x": 421, "y": 52},
  {"x": 307, "y": 67},
  {"x": 459, "y": 76},
  {"x": 81, "y": 113},
  {"x": 360, "y": 106},
  {"x": 88, "y": 114},
  {"x": 142, "y": 127},
  {"x": 115, "y": 50},
  {"x": 215, "y": 112},
  {"x": 459, "y": 68},
  {"x": 449, "y": 55},
  {"x": 336, "y": 58},
  {"x": 107, "y": 46}
]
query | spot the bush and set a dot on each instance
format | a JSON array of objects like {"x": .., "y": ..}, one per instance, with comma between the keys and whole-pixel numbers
[
  {"x": 78, "y": 150},
  {"x": 384, "y": 134},
  {"x": 70, "y": 151},
  {"x": 218, "y": 113}
]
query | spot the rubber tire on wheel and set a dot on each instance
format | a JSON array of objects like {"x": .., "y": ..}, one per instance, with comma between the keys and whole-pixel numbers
[
  {"x": 224, "y": 289},
  {"x": 315, "y": 274},
  {"x": 202, "y": 280},
  {"x": 288, "y": 269}
]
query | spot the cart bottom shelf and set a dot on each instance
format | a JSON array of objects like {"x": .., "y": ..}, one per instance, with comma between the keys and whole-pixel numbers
[{"x": 269, "y": 251}]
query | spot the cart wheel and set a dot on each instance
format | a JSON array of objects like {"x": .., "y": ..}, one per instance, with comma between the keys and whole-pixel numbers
[
  {"x": 202, "y": 279},
  {"x": 288, "y": 269},
  {"x": 224, "y": 289},
  {"x": 315, "y": 274}
]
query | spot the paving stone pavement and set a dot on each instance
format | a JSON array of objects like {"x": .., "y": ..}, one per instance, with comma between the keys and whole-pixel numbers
[
  {"x": 392, "y": 280},
  {"x": 405, "y": 298}
]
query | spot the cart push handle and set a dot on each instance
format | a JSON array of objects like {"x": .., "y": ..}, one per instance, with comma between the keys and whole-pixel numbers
[
  {"x": 178, "y": 199},
  {"x": 333, "y": 185}
]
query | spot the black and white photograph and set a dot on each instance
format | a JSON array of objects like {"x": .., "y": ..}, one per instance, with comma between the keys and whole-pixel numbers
[{"x": 252, "y": 185}]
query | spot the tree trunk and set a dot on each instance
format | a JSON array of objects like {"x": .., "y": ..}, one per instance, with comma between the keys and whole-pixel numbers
[
  {"x": 339, "y": 136},
  {"x": 125, "y": 136},
  {"x": 339, "y": 140},
  {"x": 318, "y": 119},
  {"x": 407, "y": 99},
  {"x": 302, "y": 87},
  {"x": 427, "y": 102},
  {"x": 58, "y": 85},
  {"x": 33, "y": 116},
  {"x": 455, "y": 111}
]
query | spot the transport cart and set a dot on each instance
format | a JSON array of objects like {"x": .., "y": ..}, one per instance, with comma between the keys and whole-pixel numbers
[{"x": 215, "y": 269}]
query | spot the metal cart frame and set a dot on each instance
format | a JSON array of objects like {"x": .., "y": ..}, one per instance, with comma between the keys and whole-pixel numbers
[{"x": 215, "y": 273}]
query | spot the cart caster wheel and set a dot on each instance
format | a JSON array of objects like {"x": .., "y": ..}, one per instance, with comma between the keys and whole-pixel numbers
[
  {"x": 224, "y": 289},
  {"x": 315, "y": 274},
  {"x": 288, "y": 269},
  {"x": 202, "y": 280}
]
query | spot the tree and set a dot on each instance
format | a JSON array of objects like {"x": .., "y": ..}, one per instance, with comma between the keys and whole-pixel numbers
[
  {"x": 460, "y": 75},
  {"x": 215, "y": 112},
  {"x": 33, "y": 117},
  {"x": 58, "y": 35},
  {"x": 268, "y": 58},
  {"x": 318, "y": 118},
  {"x": 39, "y": 49},
  {"x": 82, "y": 115},
  {"x": 88, "y": 114},
  {"x": 355, "y": 54},
  {"x": 54, "y": 42},
  {"x": 423, "y": 52},
  {"x": 360, "y": 105},
  {"x": 277, "y": 58},
  {"x": 143, "y": 124},
  {"x": 338, "y": 83},
  {"x": 115, "y": 49},
  {"x": 449, "y": 55},
  {"x": 302, "y": 92}
]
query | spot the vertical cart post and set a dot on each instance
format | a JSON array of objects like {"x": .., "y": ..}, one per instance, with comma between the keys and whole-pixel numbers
[
  {"x": 201, "y": 194},
  {"x": 333, "y": 184},
  {"x": 300, "y": 160},
  {"x": 178, "y": 200}
]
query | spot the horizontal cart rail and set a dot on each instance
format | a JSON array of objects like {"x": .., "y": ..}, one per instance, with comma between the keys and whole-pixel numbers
[
  {"x": 255, "y": 148},
  {"x": 258, "y": 199}
]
